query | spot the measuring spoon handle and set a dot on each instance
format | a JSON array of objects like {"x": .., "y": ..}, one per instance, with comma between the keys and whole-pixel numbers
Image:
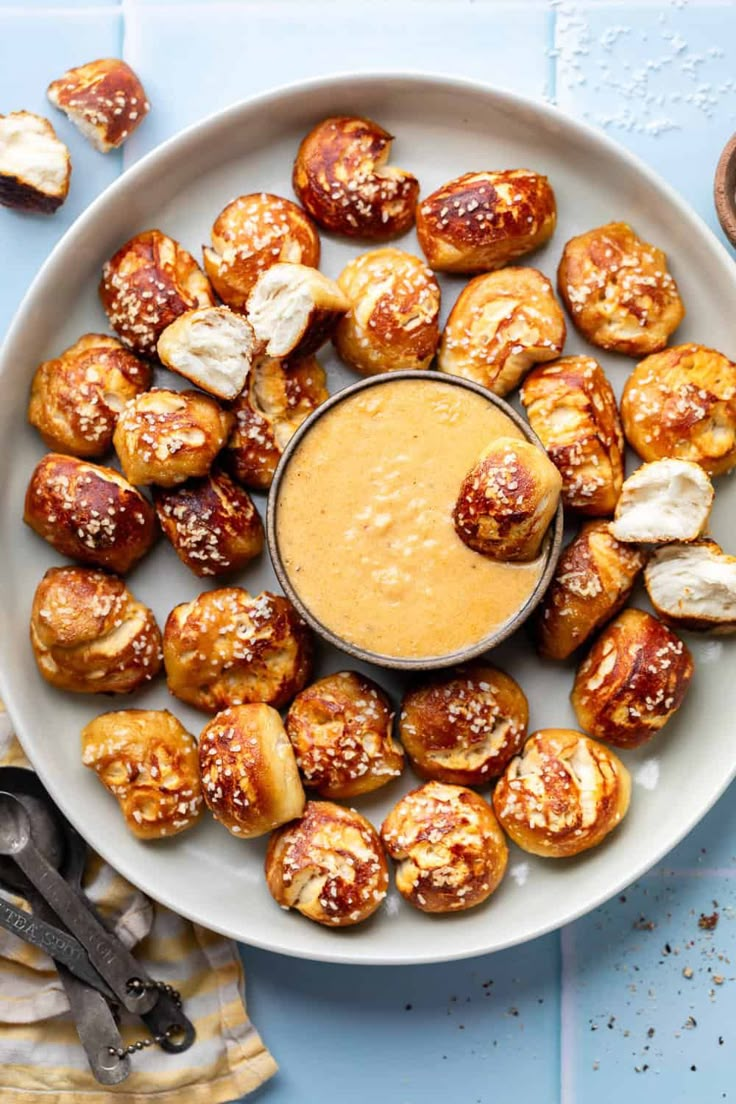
[
  {"x": 57, "y": 943},
  {"x": 105, "y": 951}
]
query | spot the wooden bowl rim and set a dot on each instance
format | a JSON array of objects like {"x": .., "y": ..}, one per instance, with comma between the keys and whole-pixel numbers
[{"x": 725, "y": 190}]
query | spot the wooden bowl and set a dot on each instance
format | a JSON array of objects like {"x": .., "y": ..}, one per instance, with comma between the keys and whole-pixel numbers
[
  {"x": 724, "y": 190},
  {"x": 551, "y": 549}
]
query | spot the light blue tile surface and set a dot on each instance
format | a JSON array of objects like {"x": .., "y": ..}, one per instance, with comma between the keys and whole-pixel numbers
[
  {"x": 481, "y": 1030},
  {"x": 36, "y": 46},
  {"x": 251, "y": 46},
  {"x": 660, "y": 78}
]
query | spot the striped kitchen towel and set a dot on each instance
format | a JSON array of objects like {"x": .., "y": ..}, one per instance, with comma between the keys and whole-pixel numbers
[{"x": 41, "y": 1060}]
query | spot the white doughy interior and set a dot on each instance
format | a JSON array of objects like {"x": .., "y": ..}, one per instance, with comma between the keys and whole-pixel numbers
[
  {"x": 213, "y": 348},
  {"x": 29, "y": 152},
  {"x": 279, "y": 308},
  {"x": 693, "y": 581},
  {"x": 668, "y": 500}
]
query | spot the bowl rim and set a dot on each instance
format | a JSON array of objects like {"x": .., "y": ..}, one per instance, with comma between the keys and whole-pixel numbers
[
  {"x": 550, "y": 552},
  {"x": 724, "y": 189}
]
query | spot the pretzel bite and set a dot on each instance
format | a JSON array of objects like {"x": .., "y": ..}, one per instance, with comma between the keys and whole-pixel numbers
[
  {"x": 212, "y": 347},
  {"x": 618, "y": 291},
  {"x": 342, "y": 180},
  {"x": 507, "y": 500},
  {"x": 450, "y": 851},
  {"x": 463, "y": 726},
  {"x": 104, "y": 99},
  {"x": 166, "y": 437},
  {"x": 294, "y": 309},
  {"x": 340, "y": 729},
  {"x": 562, "y": 795},
  {"x": 90, "y": 635},
  {"x": 89, "y": 513},
  {"x": 572, "y": 409},
  {"x": 76, "y": 397},
  {"x": 277, "y": 398},
  {"x": 251, "y": 234},
  {"x": 501, "y": 325},
  {"x": 35, "y": 166},
  {"x": 329, "y": 865},
  {"x": 149, "y": 762},
  {"x": 393, "y": 322},
  {"x": 592, "y": 581},
  {"x": 211, "y": 522},
  {"x": 148, "y": 283},
  {"x": 693, "y": 586},
  {"x": 227, "y": 647},
  {"x": 248, "y": 769},
  {"x": 485, "y": 220},
  {"x": 667, "y": 500},
  {"x": 682, "y": 402},
  {"x": 632, "y": 680}
]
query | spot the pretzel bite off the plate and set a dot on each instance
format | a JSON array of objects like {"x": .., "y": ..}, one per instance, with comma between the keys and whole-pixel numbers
[
  {"x": 90, "y": 635},
  {"x": 104, "y": 99},
  {"x": 340, "y": 729},
  {"x": 328, "y": 865},
  {"x": 228, "y": 647},
  {"x": 618, "y": 290},
  {"x": 562, "y": 795},
  {"x": 393, "y": 321},
  {"x": 592, "y": 581},
  {"x": 450, "y": 852},
  {"x": 342, "y": 179},
  {"x": 294, "y": 309},
  {"x": 251, "y": 234},
  {"x": 166, "y": 437},
  {"x": 76, "y": 397},
  {"x": 463, "y": 726},
  {"x": 89, "y": 513},
  {"x": 693, "y": 586},
  {"x": 682, "y": 403},
  {"x": 147, "y": 284},
  {"x": 484, "y": 220},
  {"x": 572, "y": 409},
  {"x": 632, "y": 681},
  {"x": 278, "y": 396},
  {"x": 212, "y": 524},
  {"x": 149, "y": 763},
  {"x": 35, "y": 167},
  {"x": 249, "y": 776},
  {"x": 212, "y": 347},
  {"x": 667, "y": 500},
  {"x": 507, "y": 501},
  {"x": 500, "y": 326}
]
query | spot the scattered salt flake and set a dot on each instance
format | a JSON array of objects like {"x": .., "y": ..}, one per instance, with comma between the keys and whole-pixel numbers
[
  {"x": 647, "y": 775},
  {"x": 391, "y": 905},
  {"x": 520, "y": 872},
  {"x": 710, "y": 651}
]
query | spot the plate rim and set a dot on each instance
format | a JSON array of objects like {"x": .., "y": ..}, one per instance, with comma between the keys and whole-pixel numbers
[{"x": 552, "y": 116}]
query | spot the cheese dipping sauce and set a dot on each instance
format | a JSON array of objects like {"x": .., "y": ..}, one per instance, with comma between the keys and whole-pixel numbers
[{"x": 364, "y": 521}]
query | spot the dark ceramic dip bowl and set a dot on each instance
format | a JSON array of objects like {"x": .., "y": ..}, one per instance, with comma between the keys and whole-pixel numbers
[{"x": 550, "y": 551}]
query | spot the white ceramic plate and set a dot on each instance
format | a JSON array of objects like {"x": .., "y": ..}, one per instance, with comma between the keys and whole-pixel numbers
[{"x": 443, "y": 127}]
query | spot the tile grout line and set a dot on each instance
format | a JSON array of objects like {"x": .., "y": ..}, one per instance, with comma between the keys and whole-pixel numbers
[{"x": 567, "y": 1015}]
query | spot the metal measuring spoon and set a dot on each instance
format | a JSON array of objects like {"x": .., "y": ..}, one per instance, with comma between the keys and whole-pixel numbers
[
  {"x": 107, "y": 954},
  {"x": 93, "y": 1018},
  {"x": 166, "y": 1021}
]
